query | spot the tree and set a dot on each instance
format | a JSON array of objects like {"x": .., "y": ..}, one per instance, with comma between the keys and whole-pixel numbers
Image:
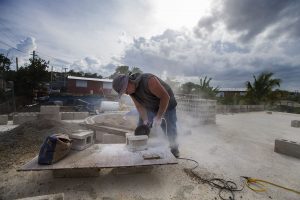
[
  {"x": 4, "y": 65},
  {"x": 125, "y": 70},
  {"x": 32, "y": 76},
  {"x": 205, "y": 90},
  {"x": 261, "y": 90}
]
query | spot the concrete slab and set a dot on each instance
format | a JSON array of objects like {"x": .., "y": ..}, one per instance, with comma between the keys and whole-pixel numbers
[
  {"x": 80, "y": 115},
  {"x": 67, "y": 115},
  {"x": 105, "y": 156},
  {"x": 55, "y": 116}
]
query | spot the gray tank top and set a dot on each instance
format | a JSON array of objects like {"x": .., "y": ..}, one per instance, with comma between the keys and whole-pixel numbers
[{"x": 144, "y": 96}]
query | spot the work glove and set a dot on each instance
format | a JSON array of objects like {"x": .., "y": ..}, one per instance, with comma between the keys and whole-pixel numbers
[{"x": 157, "y": 121}]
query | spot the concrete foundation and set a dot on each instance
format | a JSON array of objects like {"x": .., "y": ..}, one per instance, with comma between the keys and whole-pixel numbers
[
  {"x": 3, "y": 119},
  {"x": 82, "y": 139},
  {"x": 295, "y": 123},
  {"x": 24, "y": 117},
  {"x": 112, "y": 139},
  {"x": 80, "y": 115},
  {"x": 49, "y": 109},
  {"x": 67, "y": 115},
  {"x": 286, "y": 147},
  {"x": 75, "y": 173},
  {"x": 59, "y": 196},
  {"x": 55, "y": 116}
]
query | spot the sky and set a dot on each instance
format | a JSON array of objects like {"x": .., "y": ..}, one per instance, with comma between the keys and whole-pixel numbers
[{"x": 227, "y": 40}]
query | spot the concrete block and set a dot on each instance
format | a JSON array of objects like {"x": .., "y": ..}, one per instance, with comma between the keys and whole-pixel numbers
[
  {"x": 113, "y": 139},
  {"x": 49, "y": 109},
  {"x": 75, "y": 173},
  {"x": 3, "y": 119},
  {"x": 80, "y": 115},
  {"x": 24, "y": 117},
  {"x": 99, "y": 136},
  {"x": 137, "y": 142},
  {"x": 67, "y": 115},
  {"x": 82, "y": 139},
  {"x": 295, "y": 123},
  {"x": 269, "y": 112},
  {"x": 132, "y": 170},
  {"x": 59, "y": 196},
  {"x": 56, "y": 116},
  {"x": 286, "y": 147}
]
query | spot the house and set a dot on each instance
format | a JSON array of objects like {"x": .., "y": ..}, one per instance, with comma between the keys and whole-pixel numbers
[
  {"x": 87, "y": 86},
  {"x": 231, "y": 92}
]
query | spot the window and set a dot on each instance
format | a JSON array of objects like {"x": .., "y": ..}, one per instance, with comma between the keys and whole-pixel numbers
[{"x": 81, "y": 83}]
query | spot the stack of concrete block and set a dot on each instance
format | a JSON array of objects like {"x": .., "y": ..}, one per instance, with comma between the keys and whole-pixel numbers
[
  {"x": 295, "y": 123},
  {"x": 136, "y": 142},
  {"x": 20, "y": 118},
  {"x": 50, "y": 112},
  {"x": 82, "y": 139},
  {"x": 74, "y": 115},
  {"x": 203, "y": 110},
  {"x": 80, "y": 115},
  {"x": 3, "y": 119},
  {"x": 286, "y": 147},
  {"x": 112, "y": 138}
]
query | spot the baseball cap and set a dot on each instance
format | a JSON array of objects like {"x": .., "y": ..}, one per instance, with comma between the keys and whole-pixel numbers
[{"x": 120, "y": 84}]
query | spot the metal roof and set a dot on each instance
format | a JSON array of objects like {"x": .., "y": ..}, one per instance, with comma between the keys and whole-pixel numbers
[{"x": 90, "y": 79}]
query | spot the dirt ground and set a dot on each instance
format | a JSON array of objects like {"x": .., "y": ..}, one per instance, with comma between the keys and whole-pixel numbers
[{"x": 238, "y": 145}]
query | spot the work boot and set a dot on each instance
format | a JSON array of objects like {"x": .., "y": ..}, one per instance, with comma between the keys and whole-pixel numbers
[{"x": 175, "y": 152}]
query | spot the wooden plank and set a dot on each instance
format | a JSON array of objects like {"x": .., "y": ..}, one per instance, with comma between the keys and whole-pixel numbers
[
  {"x": 106, "y": 156},
  {"x": 107, "y": 129}
]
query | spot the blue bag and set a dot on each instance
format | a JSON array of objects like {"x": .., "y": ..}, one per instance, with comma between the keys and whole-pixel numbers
[{"x": 54, "y": 148}]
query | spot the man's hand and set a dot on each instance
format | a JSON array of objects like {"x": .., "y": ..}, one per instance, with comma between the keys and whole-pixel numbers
[{"x": 157, "y": 121}]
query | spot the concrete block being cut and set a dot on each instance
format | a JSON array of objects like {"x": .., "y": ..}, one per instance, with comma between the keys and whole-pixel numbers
[
  {"x": 3, "y": 119},
  {"x": 286, "y": 147},
  {"x": 137, "y": 142},
  {"x": 59, "y": 196},
  {"x": 49, "y": 109},
  {"x": 113, "y": 139},
  {"x": 82, "y": 139},
  {"x": 295, "y": 123}
]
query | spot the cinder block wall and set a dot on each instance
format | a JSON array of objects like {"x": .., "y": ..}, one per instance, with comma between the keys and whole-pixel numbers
[{"x": 202, "y": 110}]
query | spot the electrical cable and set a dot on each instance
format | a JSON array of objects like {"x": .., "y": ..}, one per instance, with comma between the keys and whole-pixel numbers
[{"x": 219, "y": 183}]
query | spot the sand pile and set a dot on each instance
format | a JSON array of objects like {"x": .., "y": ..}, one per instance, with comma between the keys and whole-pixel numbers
[{"x": 19, "y": 145}]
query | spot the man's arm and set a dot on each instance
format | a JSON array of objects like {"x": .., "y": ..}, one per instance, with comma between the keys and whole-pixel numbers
[
  {"x": 142, "y": 111},
  {"x": 159, "y": 91}
]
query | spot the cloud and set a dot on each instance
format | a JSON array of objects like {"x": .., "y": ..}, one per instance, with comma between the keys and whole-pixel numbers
[{"x": 251, "y": 18}]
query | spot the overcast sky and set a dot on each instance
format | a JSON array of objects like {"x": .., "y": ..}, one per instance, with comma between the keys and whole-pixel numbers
[{"x": 227, "y": 40}]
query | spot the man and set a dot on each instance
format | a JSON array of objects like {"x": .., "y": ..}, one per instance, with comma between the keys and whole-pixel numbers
[{"x": 154, "y": 100}]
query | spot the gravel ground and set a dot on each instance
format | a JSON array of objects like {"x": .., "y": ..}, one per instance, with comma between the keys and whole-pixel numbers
[{"x": 238, "y": 145}]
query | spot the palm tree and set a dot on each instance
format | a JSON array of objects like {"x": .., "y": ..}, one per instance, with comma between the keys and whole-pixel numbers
[{"x": 261, "y": 90}]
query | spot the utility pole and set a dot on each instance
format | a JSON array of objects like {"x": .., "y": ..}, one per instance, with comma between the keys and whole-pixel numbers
[
  {"x": 33, "y": 56},
  {"x": 17, "y": 64},
  {"x": 65, "y": 68},
  {"x": 51, "y": 78}
]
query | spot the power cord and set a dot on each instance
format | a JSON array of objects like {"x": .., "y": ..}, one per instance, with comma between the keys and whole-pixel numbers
[{"x": 219, "y": 183}]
